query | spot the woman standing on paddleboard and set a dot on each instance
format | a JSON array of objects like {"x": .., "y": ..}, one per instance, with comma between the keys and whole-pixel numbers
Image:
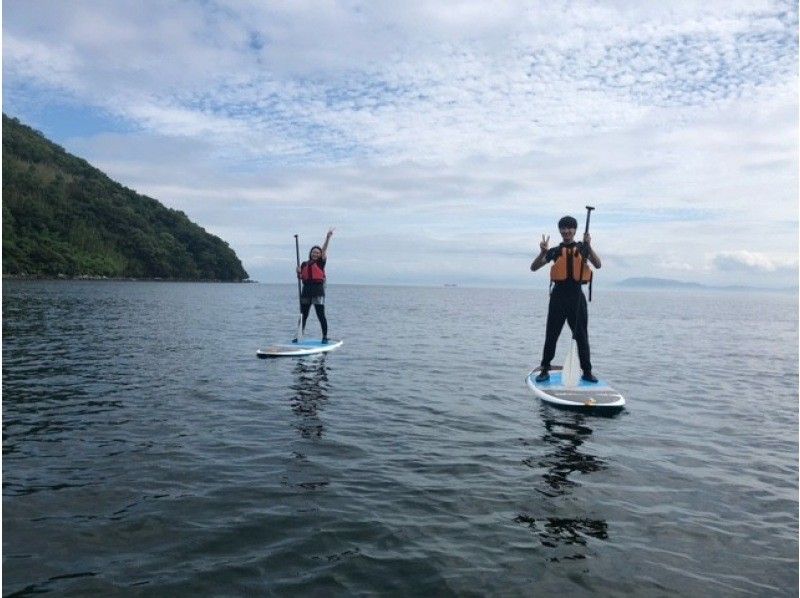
[
  {"x": 312, "y": 274},
  {"x": 567, "y": 302}
]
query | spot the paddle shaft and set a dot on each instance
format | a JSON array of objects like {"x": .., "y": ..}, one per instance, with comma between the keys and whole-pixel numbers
[
  {"x": 297, "y": 253},
  {"x": 588, "y": 217},
  {"x": 585, "y": 254}
]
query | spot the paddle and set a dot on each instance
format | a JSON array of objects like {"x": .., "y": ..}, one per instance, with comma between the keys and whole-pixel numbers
[
  {"x": 572, "y": 364},
  {"x": 299, "y": 293}
]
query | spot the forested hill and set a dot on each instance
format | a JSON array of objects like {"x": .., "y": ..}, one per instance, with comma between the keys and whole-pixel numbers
[{"x": 63, "y": 217}]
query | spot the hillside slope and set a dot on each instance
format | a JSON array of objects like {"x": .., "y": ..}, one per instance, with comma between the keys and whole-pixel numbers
[{"x": 62, "y": 216}]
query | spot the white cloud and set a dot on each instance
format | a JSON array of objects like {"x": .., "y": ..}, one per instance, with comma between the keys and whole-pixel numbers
[
  {"x": 461, "y": 127},
  {"x": 48, "y": 64},
  {"x": 744, "y": 261},
  {"x": 433, "y": 83}
]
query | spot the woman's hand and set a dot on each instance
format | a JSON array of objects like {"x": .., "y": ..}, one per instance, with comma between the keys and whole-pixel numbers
[{"x": 325, "y": 244}]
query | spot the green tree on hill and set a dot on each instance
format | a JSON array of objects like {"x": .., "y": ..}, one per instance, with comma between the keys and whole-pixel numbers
[{"x": 62, "y": 216}]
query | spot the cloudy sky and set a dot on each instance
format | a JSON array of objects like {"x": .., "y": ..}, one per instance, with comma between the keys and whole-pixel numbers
[{"x": 441, "y": 139}]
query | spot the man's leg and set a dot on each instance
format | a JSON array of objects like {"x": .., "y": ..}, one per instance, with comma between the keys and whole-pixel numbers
[
  {"x": 581, "y": 333},
  {"x": 555, "y": 322}
]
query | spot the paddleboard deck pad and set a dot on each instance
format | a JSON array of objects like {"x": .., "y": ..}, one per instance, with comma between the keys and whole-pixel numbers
[
  {"x": 298, "y": 349},
  {"x": 586, "y": 396}
]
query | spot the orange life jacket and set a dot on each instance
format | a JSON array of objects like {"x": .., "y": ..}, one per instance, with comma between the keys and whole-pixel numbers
[
  {"x": 569, "y": 265},
  {"x": 311, "y": 272}
]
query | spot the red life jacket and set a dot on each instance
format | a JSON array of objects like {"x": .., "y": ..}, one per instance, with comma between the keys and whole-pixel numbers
[{"x": 311, "y": 271}]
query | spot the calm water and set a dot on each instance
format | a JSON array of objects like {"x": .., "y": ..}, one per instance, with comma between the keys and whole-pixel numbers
[{"x": 146, "y": 451}]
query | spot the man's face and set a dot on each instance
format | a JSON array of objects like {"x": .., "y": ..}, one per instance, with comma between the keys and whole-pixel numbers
[{"x": 567, "y": 234}]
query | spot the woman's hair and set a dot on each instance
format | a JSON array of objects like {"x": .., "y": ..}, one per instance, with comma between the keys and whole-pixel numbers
[{"x": 312, "y": 249}]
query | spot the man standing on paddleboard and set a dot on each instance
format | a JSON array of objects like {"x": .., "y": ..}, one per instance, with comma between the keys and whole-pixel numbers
[{"x": 567, "y": 302}]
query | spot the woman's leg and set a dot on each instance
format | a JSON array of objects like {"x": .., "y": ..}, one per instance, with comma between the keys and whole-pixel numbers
[
  {"x": 304, "y": 309},
  {"x": 323, "y": 321}
]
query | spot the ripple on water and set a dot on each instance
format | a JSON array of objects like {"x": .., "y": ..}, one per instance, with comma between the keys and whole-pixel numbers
[{"x": 147, "y": 451}]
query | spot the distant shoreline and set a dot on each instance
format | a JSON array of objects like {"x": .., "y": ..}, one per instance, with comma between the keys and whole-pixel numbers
[
  {"x": 611, "y": 286},
  {"x": 647, "y": 283},
  {"x": 87, "y": 277}
]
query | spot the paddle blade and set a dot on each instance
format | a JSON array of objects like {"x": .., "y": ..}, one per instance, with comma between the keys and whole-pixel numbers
[{"x": 572, "y": 366}]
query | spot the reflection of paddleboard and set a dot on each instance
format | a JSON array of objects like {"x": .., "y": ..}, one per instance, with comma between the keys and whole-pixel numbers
[
  {"x": 586, "y": 396},
  {"x": 298, "y": 349}
]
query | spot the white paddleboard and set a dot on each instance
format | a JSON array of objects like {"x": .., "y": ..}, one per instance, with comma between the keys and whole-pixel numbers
[
  {"x": 585, "y": 396},
  {"x": 298, "y": 349}
]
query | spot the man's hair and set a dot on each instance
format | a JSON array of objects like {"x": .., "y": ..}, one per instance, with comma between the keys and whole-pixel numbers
[{"x": 568, "y": 222}]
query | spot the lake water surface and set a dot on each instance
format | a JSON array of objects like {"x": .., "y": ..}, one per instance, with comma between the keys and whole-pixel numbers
[{"x": 146, "y": 451}]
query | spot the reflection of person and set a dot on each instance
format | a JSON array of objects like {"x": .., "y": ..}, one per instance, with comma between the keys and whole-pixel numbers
[
  {"x": 311, "y": 394},
  {"x": 312, "y": 273},
  {"x": 565, "y": 454},
  {"x": 566, "y": 433},
  {"x": 567, "y": 302},
  {"x": 311, "y": 378}
]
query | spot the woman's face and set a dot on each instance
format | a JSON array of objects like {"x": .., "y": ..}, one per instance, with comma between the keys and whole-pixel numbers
[{"x": 315, "y": 254}]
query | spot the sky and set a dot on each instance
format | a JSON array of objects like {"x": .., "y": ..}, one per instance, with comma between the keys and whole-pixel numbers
[{"x": 440, "y": 139}]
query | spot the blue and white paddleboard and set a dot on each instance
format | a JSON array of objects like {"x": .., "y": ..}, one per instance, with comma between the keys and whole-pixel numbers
[
  {"x": 586, "y": 396},
  {"x": 298, "y": 349}
]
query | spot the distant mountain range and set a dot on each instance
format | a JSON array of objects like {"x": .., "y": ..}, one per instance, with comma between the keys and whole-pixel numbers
[
  {"x": 668, "y": 283},
  {"x": 64, "y": 218}
]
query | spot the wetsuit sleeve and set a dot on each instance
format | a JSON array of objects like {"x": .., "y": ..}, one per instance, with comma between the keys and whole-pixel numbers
[{"x": 552, "y": 254}]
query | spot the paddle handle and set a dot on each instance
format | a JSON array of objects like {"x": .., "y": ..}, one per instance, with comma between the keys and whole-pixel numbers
[{"x": 588, "y": 217}]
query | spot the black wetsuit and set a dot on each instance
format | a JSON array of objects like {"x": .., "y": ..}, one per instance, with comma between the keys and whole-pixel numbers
[{"x": 567, "y": 304}]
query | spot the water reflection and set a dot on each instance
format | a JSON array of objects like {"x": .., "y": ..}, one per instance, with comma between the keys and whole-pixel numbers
[
  {"x": 565, "y": 434},
  {"x": 311, "y": 394}
]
